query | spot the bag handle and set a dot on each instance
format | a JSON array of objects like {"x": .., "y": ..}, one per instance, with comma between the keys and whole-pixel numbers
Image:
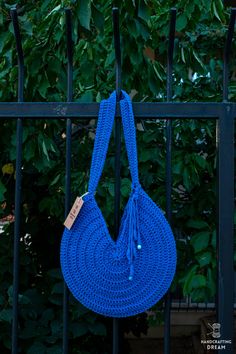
[
  {"x": 103, "y": 133},
  {"x": 106, "y": 117},
  {"x": 130, "y": 136}
]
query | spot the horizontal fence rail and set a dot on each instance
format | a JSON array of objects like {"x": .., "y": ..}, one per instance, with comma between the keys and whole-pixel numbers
[
  {"x": 149, "y": 110},
  {"x": 223, "y": 113}
]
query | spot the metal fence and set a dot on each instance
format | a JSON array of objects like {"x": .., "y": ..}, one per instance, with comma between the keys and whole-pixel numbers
[{"x": 223, "y": 113}]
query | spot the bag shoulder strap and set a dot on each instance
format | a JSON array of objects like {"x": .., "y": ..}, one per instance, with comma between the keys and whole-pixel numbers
[
  {"x": 106, "y": 117},
  {"x": 130, "y": 136},
  {"x": 103, "y": 133}
]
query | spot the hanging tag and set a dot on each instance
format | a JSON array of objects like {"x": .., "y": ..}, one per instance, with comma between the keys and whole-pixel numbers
[{"x": 73, "y": 212}]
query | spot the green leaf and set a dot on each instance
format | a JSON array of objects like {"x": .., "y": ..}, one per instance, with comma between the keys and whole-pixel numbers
[
  {"x": 199, "y": 294},
  {"x": 6, "y": 315},
  {"x": 79, "y": 329},
  {"x": 1, "y": 299},
  {"x": 2, "y": 191},
  {"x": 45, "y": 151},
  {"x": 181, "y": 22},
  {"x": 97, "y": 328},
  {"x": 98, "y": 18},
  {"x": 56, "y": 349},
  {"x": 198, "y": 281},
  {"x": 213, "y": 239},
  {"x": 26, "y": 25},
  {"x": 204, "y": 258},
  {"x": 29, "y": 150},
  {"x": 44, "y": 85},
  {"x": 47, "y": 316},
  {"x": 142, "y": 30},
  {"x": 158, "y": 74},
  {"x": 55, "y": 273},
  {"x": 182, "y": 55},
  {"x": 55, "y": 180},
  {"x": 23, "y": 300},
  {"x": 215, "y": 11},
  {"x": 58, "y": 288},
  {"x": 85, "y": 13},
  {"x": 200, "y": 241},
  {"x": 125, "y": 187},
  {"x": 143, "y": 11},
  {"x": 186, "y": 179},
  {"x": 200, "y": 160},
  {"x": 197, "y": 224},
  {"x": 56, "y": 327},
  {"x": 198, "y": 59},
  {"x": 55, "y": 9},
  {"x": 38, "y": 348},
  {"x": 111, "y": 189},
  {"x": 188, "y": 278},
  {"x": 211, "y": 281},
  {"x": 86, "y": 97},
  {"x": 110, "y": 59}
]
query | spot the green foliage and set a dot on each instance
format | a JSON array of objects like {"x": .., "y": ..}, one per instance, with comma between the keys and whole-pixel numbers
[{"x": 200, "y": 37}]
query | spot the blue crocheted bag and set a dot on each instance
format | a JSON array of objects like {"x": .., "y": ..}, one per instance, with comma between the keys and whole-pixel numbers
[{"x": 124, "y": 277}]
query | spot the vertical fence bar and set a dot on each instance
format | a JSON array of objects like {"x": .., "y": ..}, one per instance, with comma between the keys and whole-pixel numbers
[
  {"x": 116, "y": 34},
  {"x": 15, "y": 309},
  {"x": 225, "y": 206},
  {"x": 168, "y": 165},
  {"x": 227, "y": 54},
  {"x": 68, "y": 164},
  {"x": 225, "y": 227}
]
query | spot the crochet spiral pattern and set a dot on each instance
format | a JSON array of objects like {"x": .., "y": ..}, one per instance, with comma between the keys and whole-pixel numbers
[{"x": 124, "y": 277}]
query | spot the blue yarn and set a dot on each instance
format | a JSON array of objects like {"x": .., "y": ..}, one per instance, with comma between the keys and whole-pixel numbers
[{"x": 124, "y": 277}]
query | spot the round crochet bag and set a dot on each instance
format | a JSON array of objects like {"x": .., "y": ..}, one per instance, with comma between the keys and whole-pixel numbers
[{"x": 124, "y": 277}]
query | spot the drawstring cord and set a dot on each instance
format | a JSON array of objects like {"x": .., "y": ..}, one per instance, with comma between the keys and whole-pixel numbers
[{"x": 134, "y": 239}]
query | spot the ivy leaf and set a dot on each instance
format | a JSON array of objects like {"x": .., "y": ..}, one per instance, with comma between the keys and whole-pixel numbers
[{"x": 85, "y": 13}]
